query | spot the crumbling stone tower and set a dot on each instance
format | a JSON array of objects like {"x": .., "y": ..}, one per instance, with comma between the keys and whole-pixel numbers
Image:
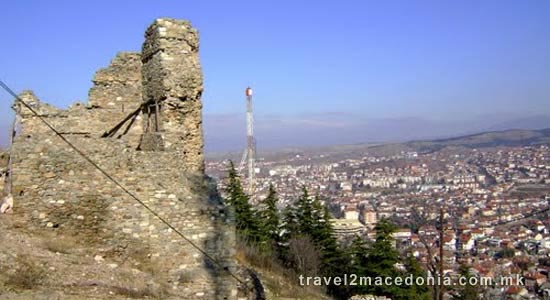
[
  {"x": 172, "y": 89},
  {"x": 143, "y": 125}
]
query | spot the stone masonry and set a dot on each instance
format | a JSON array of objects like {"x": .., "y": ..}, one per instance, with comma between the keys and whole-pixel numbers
[
  {"x": 172, "y": 77},
  {"x": 142, "y": 124}
]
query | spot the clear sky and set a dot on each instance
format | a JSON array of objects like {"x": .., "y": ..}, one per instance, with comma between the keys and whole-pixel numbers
[{"x": 437, "y": 60}]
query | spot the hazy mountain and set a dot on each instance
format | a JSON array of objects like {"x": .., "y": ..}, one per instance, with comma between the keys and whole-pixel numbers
[
  {"x": 227, "y": 132},
  {"x": 533, "y": 123},
  {"x": 515, "y": 137}
]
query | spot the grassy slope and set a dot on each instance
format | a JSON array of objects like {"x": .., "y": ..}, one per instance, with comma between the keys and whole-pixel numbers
[{"x": 279, "y": 282}]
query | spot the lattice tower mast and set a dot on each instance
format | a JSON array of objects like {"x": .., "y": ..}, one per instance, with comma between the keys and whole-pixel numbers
[{"x": 249, "y": 155}]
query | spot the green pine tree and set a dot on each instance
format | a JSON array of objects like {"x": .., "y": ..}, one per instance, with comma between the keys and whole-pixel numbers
[
  {"x": 304, "y": 214},
  {"x": 246, "y": 218},
  {"x": 270, "y": 218},
  {"x": 335, "y": 261},
  {"x": 310, "y": 218},
  {"x": 358, "y": 256},
  {"x": 416, "y": 292},
  {"x": 287, "y": 229},
  {"x": 382, "y": 258},
  {"x": 290, "y": 225}
]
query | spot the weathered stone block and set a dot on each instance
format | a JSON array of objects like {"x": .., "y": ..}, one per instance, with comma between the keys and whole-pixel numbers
[
  {"x": 151, "y": 141},
  {"x": 118, "y": 86}
]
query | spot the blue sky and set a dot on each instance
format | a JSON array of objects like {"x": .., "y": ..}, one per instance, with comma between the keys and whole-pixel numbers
[{"x": 371, "y": 60}]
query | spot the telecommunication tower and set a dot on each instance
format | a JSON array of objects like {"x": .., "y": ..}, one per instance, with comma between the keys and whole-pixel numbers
[{"x": 249, "y": 155}]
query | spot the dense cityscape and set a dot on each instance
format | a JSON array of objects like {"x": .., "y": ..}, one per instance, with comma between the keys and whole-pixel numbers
[{"x": 493, "y": 202}]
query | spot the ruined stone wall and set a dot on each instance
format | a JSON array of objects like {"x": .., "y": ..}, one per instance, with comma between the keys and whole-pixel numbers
[
  {"x": 118, "y": 87},
  {"x": 172, "y": 75},
  {"x": 55, "y": 189}
]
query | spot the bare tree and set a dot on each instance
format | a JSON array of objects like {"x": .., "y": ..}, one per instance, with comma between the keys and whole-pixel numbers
[
  {"x": 304, "y": 255},
  {"x": 420, "y": 218}
]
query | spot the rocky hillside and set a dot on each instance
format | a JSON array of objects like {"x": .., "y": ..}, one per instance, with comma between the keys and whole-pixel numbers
[
  {"x": 53, "y": 266},
  {"x": 56, "y": 266}
]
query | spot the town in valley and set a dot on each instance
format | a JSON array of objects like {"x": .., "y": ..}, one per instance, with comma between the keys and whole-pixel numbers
[{"x": 493, "y": 202}]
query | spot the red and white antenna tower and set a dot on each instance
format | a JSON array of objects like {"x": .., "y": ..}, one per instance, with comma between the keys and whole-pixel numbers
[{"x": 249, "y": 155}]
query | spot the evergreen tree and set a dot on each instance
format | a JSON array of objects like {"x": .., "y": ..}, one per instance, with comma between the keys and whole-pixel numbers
[
  {"x": 382, "y": 258},
  {"x": 287, "y": 229},
  {"x": 290, "y": 225},
  {"x": 304, "y": 214},
  {"x": 269, "y": 216},
  {"x": 382, "y": 254},
  {"x": 323, "y": 235},
  {"x": 416, "y": 292},
  {"x": 246, "y": 218},
  {"x": 334, "y": 260},
  {"x": 309, "y": 219},
  {"x": 358, "y": 257}
]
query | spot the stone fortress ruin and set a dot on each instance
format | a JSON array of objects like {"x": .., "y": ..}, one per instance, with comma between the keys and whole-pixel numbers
[{"x": 142, "y": 125}]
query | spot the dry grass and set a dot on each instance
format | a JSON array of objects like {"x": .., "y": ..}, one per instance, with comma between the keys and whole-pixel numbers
[
  {"x": 277, "y": 279},
  {"x": 151, "y": 282},
  {"x": 138, "y": 293},
  {"x": 139, "y": 287},
  {"x": 253, "y": 256},
  {"x": 26, "y": 275},
  {"x": 63, "y": 245},
  {"x": 185, "y": 276}
]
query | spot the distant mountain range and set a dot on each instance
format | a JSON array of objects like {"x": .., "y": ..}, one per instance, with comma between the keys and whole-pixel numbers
[
  {"x": 514, "y": 137},
  {"x": 225, "y": 133},
  {"x": 534, "y": 122}
]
